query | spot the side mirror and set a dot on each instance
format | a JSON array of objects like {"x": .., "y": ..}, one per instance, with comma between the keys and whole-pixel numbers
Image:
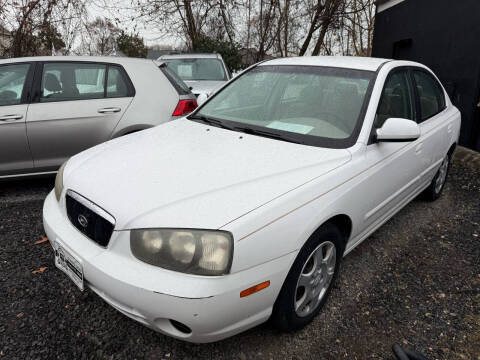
[{"x": 398, "y": 130}]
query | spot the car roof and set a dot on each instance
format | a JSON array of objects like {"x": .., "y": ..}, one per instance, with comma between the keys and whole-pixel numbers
[
  {"x": 191, "y": 56},
  {"x": 348, "y": 62},
  {"x": 107, "y": 59}
]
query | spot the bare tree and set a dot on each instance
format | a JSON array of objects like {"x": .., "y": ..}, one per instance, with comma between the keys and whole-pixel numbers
[
  {"x": 35, "y": 25},
  {"x": 359, "y": 23},
  {"x": 261, "y": 28},
  {"x": 352, "y": 33},
  {"x": 325, "y": 12},
  {"x": 189, "y": 20},
  {"x": 71, "y": 27},
  {"x": 271, "y": 28},
  {"x": 265, "y": 28},
  {"x": 98, "y": 38},
  {"x": 290, "y": 17},
  {"x": 316, "y": 9},
  {"x": 329, "y": 14},
  {"x": 249, "y": 22}
]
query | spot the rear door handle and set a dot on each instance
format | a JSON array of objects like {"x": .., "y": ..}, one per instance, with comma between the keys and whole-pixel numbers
[
  {"x": 109, "y": 110},
  {"x": 449, "y": 128},
  {"x": 11, "y": 117}
]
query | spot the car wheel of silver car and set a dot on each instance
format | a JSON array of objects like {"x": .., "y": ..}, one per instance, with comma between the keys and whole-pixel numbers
[
  {"x": 435, "y": 188},
  {"x": 310, "y": 279}
]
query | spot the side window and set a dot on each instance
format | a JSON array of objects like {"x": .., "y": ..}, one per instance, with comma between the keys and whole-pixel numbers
[
  {"x": 116, "y": 83},
  {"x": 430, "y": 93},
  {"x": 12, "y": 81},
  {"x": 72, "y": 81},
  {"x": 396, "y": 100}
]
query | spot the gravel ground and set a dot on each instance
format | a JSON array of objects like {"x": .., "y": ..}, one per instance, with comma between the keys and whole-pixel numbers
[{"x": 416, "y": 281}]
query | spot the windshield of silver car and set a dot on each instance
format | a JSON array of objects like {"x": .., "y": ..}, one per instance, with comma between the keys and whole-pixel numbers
[
  {"x": 198, "y": 69},
  {"x": 313, "y": 105}
]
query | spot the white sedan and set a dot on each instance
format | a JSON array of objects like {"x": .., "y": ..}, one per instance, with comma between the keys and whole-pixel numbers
[{"x": 208, "y": 225}]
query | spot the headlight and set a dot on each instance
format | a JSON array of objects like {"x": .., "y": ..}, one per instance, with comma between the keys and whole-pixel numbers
[
  {"x": 59, "y": 181},
  {"x": 200, "y": 252}
]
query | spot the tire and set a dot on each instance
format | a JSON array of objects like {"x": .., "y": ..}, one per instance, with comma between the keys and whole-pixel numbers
[
  {"x": 434, "y": 190},
  {"x": 290, "y": 313}
]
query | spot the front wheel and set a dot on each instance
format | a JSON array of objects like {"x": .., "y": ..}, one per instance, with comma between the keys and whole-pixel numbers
[
  {"x": 310, "y": 280},
  {"x": 434, "y": 190}
]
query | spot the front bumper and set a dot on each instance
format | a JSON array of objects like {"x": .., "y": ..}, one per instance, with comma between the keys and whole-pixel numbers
[{"x": 210, "y": 306}]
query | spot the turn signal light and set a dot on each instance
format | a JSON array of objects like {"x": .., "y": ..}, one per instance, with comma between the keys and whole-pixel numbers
[
  {"x": 255, "y": 289},
  {"x": 185, "y": 107}
]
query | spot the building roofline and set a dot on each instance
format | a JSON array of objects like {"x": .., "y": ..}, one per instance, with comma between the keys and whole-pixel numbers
[{"x": 383, "y": 5}]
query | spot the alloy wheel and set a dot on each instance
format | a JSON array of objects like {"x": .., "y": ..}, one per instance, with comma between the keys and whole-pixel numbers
[
  {"x": 315, "y": 278},
  {"x": 442, "y": 175}
]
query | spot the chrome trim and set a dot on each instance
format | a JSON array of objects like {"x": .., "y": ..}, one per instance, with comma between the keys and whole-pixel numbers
[
  {"x": 27, "y": 174},
  {"x": 92, "y": 206}
]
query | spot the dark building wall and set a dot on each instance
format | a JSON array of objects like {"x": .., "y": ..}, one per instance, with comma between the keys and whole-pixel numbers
[{"x": 445, "y": 36}]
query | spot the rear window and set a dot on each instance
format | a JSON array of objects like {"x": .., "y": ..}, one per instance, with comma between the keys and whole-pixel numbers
[
  {"x": 177, "y": 83},
  {"x": 198, "y": 69}
]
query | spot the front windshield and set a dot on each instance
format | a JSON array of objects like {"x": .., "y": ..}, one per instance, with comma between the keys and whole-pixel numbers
[
  {"x": 197, "y": 69},
  {"x": 309, "y": 102}
]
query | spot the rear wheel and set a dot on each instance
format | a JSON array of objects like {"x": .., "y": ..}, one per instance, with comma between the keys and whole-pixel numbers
[
  {"x": 310, "y": 280},
  {"x": 434, "y": 190}
]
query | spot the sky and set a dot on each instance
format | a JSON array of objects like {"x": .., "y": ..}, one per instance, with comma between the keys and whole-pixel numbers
[{"x": 148, "y": 33}]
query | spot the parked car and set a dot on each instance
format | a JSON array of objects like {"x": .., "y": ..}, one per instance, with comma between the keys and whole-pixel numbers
[
  {"x": 242, "y": 211},
  {"x": 204, "y": 73},
  {"x": 54, "y": 107}
]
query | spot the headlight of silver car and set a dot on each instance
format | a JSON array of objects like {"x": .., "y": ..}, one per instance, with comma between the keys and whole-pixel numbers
[
  {"x": 200, "y": 252},
  {"x": 59, "y": 181}
]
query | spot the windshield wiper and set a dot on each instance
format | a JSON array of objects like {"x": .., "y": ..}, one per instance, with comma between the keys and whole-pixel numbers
[
  {"x": 247, "y": 130},
  {"x": 210, "y": 121},
  {"x": 268, "y": 134}
]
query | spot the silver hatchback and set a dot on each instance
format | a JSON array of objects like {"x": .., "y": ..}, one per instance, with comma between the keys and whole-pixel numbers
[{"x": 54, "y": 107}]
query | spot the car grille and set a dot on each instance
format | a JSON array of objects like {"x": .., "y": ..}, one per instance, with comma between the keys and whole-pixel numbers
[{"x": 91, "y": 220}]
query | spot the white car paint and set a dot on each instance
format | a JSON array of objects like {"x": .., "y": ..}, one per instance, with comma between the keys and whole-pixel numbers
[
  {"x": 271, "y": 195},
  {"x": 273, "y": 171}
]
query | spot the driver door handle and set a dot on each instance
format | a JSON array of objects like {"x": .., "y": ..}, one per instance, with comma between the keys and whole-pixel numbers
[
  {"x": 107, "y": 110},
  {"x": 11, "y": 117}
]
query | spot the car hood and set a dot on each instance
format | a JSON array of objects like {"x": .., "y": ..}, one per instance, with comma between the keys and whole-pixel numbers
[
  {"x": 204, "y": 86},
  {"x": 190, "y": 175}
]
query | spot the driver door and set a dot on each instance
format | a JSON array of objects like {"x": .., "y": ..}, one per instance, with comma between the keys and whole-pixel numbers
[
  {"x": 78, "y": 106},
  {"x": 393, "y": 168},
  {"x": 15, "y": 82}
]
